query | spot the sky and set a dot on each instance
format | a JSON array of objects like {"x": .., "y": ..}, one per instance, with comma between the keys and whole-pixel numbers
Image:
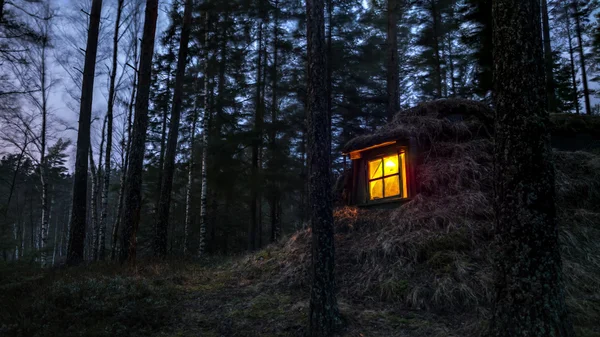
[
  {"x": 61, "y": 103},
  {"x": 69, "y": 19}
]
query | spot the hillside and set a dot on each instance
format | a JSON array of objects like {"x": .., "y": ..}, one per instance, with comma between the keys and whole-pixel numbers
[{"x": 421, "y": 269}]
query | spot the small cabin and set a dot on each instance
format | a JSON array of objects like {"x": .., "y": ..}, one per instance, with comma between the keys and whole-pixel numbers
[
  {"x": 394, "y": 164},
  {"x": 381, "y": 173}
]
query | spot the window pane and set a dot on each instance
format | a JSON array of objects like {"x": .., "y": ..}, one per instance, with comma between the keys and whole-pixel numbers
[
  {"x": 404, "y": 186},
  {"x": 375, "y": 169},
  {"x": 376, "y": 189},
  {"x": 390, "y": 165},
  {"x": 392, "y": 186}
]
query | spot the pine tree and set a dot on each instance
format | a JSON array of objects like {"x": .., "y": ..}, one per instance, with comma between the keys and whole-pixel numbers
[
  {"x": 529, "y": 289},
  {"x": 324, "y": 315},
  {"x": 79, "y": 207},
  {"x": 392, "y": 59},
  {"x": 169, "y": 167},
  {"x": 133, "y": 181}
]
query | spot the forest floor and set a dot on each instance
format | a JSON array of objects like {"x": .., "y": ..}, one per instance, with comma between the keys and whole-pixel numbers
[{"x": 195, "y": 298}]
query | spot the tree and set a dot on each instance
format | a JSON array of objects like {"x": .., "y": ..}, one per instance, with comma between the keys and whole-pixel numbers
[
  {"x": 579, "y": 14},
  {"x": 169, "y": 165},
  {"x": 393, "y": 103},
  {"x": 204, "y": 159},
  {"x": 529, "y": 287},
  {"x": 127, "y": 125},
  {"x": 324, "y": 314},
  {"x": 478, "y": 38},
  {"x": 34, "y": 78},
  {"x": 255, "y": 230},
  {"x": 548, "y": 59},
  {"x": 133, "y": 182},
  {"x": 109, "y": 133},
  {"x": 275, "y": 159},
  {"x": 79, "y": 205}
]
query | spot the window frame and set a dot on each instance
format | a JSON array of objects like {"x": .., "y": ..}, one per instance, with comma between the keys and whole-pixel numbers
[{"x": 402, "y": 173}]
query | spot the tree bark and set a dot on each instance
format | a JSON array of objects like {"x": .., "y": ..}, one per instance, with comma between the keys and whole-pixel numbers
[
  {"x": 190, "y": 177},
  {"x": 324, "y": 314},
  {"x": 330, "y": 67},
  {"x": 160, "y": 239},
  {"x": 549, "y": 62},
  {"x": 133, "y": 182},
  {"x": 44, "y": 91},
  {"x": 256, "y": 142},
  {"x": 393, "y": 103},
  {"x": 579, "y": 33},
  {"x": 205, "y": 117},
  {"x": 572, "y": 58},
  {"x": 126, "y": 145},
  {"x": 109, "y": 134},
  {"x": 93, "y": 205},
  {"x": 528, "y": 269},
  {"x": 79, "y": 206},
  {"x": 275, "y": 162},
  {"x": 96, "y": 179},
  {"x": 435, "y": 17}
]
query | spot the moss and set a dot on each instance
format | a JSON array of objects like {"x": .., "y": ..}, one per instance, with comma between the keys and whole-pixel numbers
[
  {"x": 92, "y": 300},
  {"x": 394, "y": 289}
]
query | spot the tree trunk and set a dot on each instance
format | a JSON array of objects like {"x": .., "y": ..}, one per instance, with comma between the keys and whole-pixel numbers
[
  {"x": 572, "y": 58},
  {"x": 126, "y": 145},
  {"x": 133, "y": 182},
  {"x": 436, "y": 49},
  {"x": 548, "y": 61},
  {"x": 109, "y": 133},
  {"x": 579, "y": 32},
  {"x": 163, "y": 139},
  {"x": 79, "y": 206},
  {"x": 393, "y": 103},
  {"x": 205, "y": 116},
  {"x": 96, "y": 178},
  {"x": 93, "y": 210},
  {"x": 324, "y": 314},
  {"x": 329, "y": 66},
  {"x": 160, "y": 239},
  {"x": 274, "y": 203},
  {"x": 256, "y": 144},
  {"x": 528, "y": 268},
  {"x": 54, "y": 243},
  {"x": 43, "y": 169},
  {"x": 451, "y": 66},
  {"x": 190, "y": 177}
]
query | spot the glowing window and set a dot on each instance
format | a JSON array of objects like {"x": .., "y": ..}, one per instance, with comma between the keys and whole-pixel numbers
[{"x": 387, "y": 177}]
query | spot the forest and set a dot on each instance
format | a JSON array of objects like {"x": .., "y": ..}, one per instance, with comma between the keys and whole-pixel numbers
[{"x": 300, "y": 168}]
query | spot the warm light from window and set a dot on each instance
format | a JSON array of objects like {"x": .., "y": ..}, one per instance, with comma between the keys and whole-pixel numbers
[{"x": 387, "y": 178}]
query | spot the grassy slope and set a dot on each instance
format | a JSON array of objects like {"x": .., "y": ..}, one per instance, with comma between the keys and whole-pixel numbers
[
  {"x": 207, "y": 298},
  {"x": 421, "y": 270}
]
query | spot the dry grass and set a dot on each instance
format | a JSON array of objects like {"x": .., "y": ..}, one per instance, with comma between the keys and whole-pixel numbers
[{"x": 434, "y": 253}]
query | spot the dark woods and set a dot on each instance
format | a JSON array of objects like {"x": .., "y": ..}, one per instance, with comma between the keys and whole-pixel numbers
[{"x": 216, "y": 127}]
